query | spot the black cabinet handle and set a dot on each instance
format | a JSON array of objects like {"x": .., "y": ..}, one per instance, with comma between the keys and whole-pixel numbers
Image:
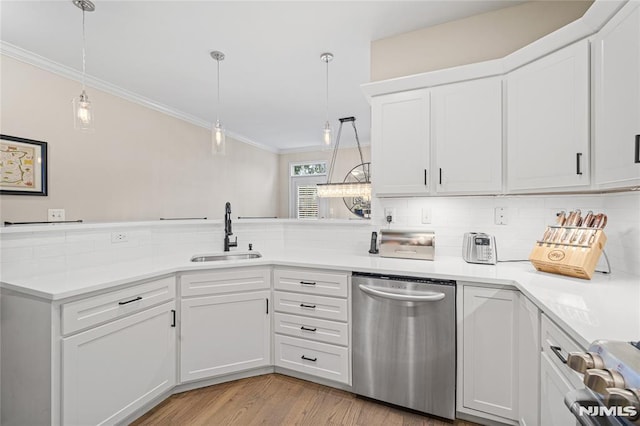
[
  {"x": 440, "y": 171},
  {"x": 302, "y": 305},
  {"x": 307, "y": 283},
  {"x": 130, "y": 301},
  {"x": 308, "y": 329},
  {"x": 309, "y": 359},
  {"x": 173, "y": 318},
  {"x": 637, "y": 159},
  {"x": 267, "y": 300},
  {"x": 578, "y": 161},
  {"x": 425, "y": 177},
  {"x": 556, "y": 350}
]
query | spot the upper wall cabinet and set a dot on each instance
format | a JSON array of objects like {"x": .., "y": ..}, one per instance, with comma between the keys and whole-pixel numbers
[
  {"x": 467, "y": 135},
  {"x": 616, "y": 59},
  {"x": 400, "y": 143},
  {"x": 548, "y": 122}
]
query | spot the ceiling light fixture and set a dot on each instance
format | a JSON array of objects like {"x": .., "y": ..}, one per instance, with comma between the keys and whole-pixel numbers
[
  {"x": 218, "y": 137},
  {"x": 326, "y": 134},
  {"x": 82, "y": 112},
  {"x": 346, "y": 189}
]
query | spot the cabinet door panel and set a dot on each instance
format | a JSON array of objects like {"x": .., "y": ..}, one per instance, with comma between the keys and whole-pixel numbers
[
  {"x": 548, "y": 121},
  {"x": 616, "y": 51},
  {"x": 467, "y": 129},
  {"x": 224, "y": 334},
  {"x": 400, "y": 143},
  {"x": 528, "y": 362},
  {"x": 553, "y": 388},
  {"x": 105, "y": 378},
  {"x": 490, "y": 351}
]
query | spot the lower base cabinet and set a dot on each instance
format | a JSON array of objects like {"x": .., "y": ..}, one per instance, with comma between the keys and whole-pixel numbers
[
  {"x": 111, "y": 370},
  {"x": 314, "y": 358},
  {"x": 553, "y": 387}
]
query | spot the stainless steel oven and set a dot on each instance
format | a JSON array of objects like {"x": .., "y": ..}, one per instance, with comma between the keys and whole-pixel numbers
[{"x": 404, "y": 334}]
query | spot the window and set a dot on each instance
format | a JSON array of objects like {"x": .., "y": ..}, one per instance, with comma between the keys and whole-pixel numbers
[{"x": 303, "y": 199}]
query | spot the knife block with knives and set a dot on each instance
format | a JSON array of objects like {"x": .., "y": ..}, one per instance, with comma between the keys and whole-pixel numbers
[{"x": 572, "y": 246}]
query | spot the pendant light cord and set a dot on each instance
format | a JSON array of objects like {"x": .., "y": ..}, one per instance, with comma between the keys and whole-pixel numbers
[
  {"x": 84, "y": 54},
  {"x": 218, "y": 111},
  {"x": 327, "y": 92}
]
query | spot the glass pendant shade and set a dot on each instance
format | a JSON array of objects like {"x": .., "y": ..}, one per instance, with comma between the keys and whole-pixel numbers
[
  {"x": 82, "y": 113},
  {"x": 218, "y": 139},
  {"x": 326, "y": 135}
]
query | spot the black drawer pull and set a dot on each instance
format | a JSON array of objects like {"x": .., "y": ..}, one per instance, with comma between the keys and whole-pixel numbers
[
  {"x": 637, "y": 159},
  {"x": 425, "y": 177},
  {"x": 308, "y": 329},
  {"x": 307, "y": 283},
  {"x": 578, "y": 161},
  {"x": 130, "y": 301},
  {"x": 173, "y": 319},
  {"x": 309, "y": 359},
  {"x": 556, "y": 350},
  {"x": 440, "y": 171},
  {"x": 302, "y": 305}
]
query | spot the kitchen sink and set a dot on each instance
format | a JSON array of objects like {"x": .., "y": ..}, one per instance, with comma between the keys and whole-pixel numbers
[{"x": 226, "y": 256}]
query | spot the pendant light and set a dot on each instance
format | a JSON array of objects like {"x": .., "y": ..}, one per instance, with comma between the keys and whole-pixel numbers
[
  {"x": 82, "y": 112},
  {"x": 326, "y": 134},
  {"x": 218, "y": 138}
]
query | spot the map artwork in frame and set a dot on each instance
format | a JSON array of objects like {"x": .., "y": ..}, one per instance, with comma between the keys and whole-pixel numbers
[{"x": 23, "y": 166}]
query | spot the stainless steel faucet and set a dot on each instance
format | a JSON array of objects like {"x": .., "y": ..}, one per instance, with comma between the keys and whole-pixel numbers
[{"x": 227, "y": 228}]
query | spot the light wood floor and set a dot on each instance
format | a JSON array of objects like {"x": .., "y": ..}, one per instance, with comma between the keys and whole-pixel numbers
[{"x": 275, "y": 399}]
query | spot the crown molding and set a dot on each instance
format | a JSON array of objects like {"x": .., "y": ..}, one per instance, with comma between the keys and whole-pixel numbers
[{"x": 20, "y": 54}]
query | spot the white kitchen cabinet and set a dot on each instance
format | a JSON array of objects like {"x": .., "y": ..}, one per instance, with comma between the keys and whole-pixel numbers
[
  {"x": 490, "y": 352},
  {"x": 400, "y": 146},
  {"x": 111, "y": 370},
  {"x": 467, "y": 135},
  {"x": 224, "y": 334},
  {"x": 548, "y": 122},
  {"x": 528, "y": 362},
  {"x": 616, "y": 73},
  {"x": 312, "y": 323},
  {"x": 556, "y": 378},
  {"x": 553, "y": 388}
]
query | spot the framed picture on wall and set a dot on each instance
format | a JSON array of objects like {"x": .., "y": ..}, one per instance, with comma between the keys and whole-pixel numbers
[{"x": 23, "y": 166}]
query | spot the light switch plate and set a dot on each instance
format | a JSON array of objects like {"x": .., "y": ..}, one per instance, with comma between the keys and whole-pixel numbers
[{"x": 426, "y": 215}]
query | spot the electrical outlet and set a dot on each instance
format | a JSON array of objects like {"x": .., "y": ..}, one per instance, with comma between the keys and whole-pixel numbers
[
  {"x": 119, "y": 237},
  {"x": 501, "y": 216},
  {"x": 390, "y": 212},
  {"x": 55, "y": 215},
  {"x": 426, "y": 215}
]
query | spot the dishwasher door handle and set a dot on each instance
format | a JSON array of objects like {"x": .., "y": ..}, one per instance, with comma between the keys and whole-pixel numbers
[{"x": 427, "y": 297}]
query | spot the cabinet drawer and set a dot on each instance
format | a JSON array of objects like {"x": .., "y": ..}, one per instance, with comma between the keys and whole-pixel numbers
[
  {"x": 311, "y": 282},
  {"x": 312, "y": 328},
  {"x": 553, "y": 336},
  {"x": 319, "y": 359},
  {"x": 224, "y": 281},
  {"x": 314, "y": 306},
  {"x": 96, "y": 310}
]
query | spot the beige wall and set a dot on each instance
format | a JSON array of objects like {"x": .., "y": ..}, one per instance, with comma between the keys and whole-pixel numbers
[
  {"x": 139, "y": 164},
  {"x": 478, "y": 38},
  {"x": 347, "y": 159}
]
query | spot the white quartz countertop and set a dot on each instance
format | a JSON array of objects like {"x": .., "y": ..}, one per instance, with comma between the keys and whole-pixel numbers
[{"x": 606, "y": 307}]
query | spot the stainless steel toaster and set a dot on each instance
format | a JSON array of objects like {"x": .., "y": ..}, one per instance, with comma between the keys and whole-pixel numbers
[
  {"x": 479, "y": 248},
  {"x": 407, "y": 244}
]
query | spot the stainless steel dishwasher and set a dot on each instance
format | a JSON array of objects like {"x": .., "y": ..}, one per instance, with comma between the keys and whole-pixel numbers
[{"x": 404, "y": 341}]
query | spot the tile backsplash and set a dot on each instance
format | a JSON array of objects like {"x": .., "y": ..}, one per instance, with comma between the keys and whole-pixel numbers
[{"x": 527, "y": 217}]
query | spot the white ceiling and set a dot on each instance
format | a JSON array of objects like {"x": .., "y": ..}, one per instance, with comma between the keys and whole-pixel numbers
[{"x": 272, "y": 80}]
